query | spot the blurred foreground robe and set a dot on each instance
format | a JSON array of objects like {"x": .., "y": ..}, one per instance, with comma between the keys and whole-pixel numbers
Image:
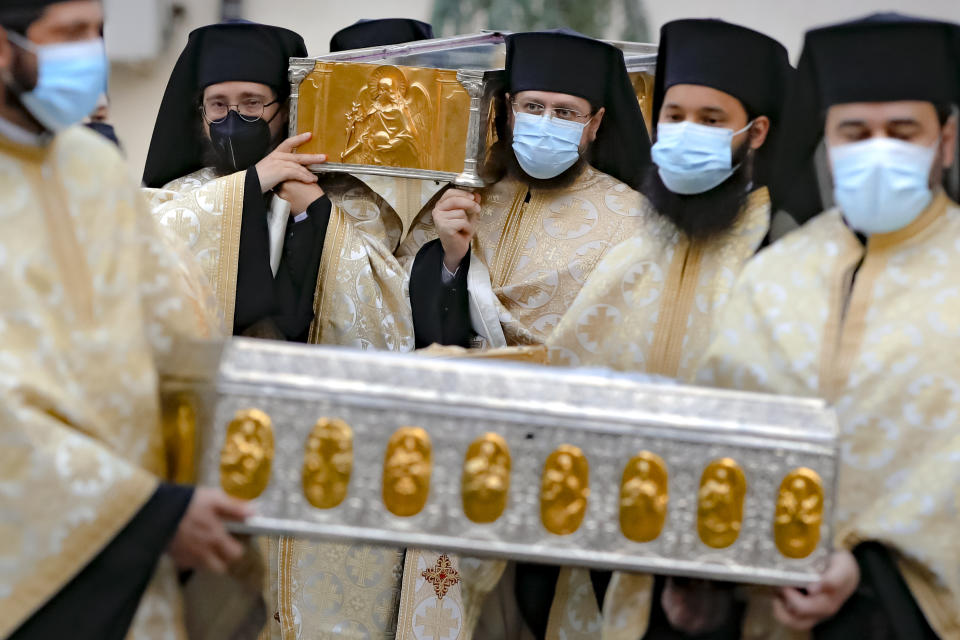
[{"x": 91, "y": 294}]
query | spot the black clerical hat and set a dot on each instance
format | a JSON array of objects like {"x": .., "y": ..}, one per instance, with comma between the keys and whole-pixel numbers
[
  {"x": 376, "y": 33},
  {"x": 564, "y": 61},
  {"x": 750, "y": 66},
  {"x": 881, "y": 58},
  {"x": 230, "y": 51},
  {"x": 17, "y": 15}
]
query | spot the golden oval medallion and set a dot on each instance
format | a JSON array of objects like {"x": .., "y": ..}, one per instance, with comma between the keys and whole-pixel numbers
[
  {"x": 407, "y": 466},
  {"x": 643, "y": 497},
  {"x": 247, "y": 454},
  {"x": 486, "y": 478},
  {"x": 564, "y": 490},
  {"x": 328, "y": 463},
  {"x": 720, "y": 503},
  {"x": 799, "y": 513}
]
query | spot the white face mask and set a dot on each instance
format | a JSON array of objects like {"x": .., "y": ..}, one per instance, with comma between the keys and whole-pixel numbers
[
  {"x": 882, "y": 184},
  {"x": 694, "y": 158}
]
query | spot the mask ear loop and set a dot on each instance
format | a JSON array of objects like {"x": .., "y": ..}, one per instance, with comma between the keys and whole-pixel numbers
[{"x": 749, "y": 154}]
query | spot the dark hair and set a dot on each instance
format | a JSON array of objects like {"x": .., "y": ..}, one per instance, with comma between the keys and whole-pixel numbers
[{"x": 944, "y": 111}]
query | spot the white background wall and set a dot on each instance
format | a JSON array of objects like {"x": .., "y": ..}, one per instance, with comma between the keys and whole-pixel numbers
[{"x": 136, "y": 90}]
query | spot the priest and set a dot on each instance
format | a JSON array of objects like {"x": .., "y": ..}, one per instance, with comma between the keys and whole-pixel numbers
[
  {"x": 222, "y": 175},
  {"x": 509, "y": 260},
  {"x": 859, "y": 307},
  {"x": 650, "y": 306},
  {"x": 91, "y": 294}
]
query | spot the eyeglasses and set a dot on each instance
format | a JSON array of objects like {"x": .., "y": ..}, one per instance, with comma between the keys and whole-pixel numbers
[
  {"x": 537, "y": 109},
  {"x": 250, "y": 110}
]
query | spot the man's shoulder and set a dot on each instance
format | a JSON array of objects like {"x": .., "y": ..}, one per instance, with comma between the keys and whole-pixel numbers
[
  {"x": 193, "y": 180},
  {"x": 815, "y": 240},
  {"x": 88, "y": 146}
]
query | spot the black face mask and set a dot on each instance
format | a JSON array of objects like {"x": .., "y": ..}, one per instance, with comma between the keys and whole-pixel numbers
[
  {"x": 240, "y": 144},
  {"x": 106, "y": 130}
]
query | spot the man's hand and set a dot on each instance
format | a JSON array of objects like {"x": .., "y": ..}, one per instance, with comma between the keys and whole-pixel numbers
[
  {"x": 453, "y": 218},
  {"x": 201, "y": 540},
  {"x": 300, "y": 195},
  {"x": 696, "y": 606},
  {"x": 803, "y": 611},
  {"x": 282, "y": 164}
]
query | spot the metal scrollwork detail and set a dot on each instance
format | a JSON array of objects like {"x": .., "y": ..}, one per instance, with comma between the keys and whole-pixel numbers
[
  {"x": 723, "y": 487},
  {"x": 643, "y": 497},
  {"x": 389, "y": 122},
  {"x": 328, "y": 463},
  {"x": 486, "y": 478},
  {"x": 799, "y": 513},
  {"x": 247, "y": 454},
  {"x": 407, "y": 467},
  {"x": 564, "y": 490}
]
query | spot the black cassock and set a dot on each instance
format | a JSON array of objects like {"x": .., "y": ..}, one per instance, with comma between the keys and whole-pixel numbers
[
  {"x": 100, "y": 601},
  {"x": 278, "y": 306}
]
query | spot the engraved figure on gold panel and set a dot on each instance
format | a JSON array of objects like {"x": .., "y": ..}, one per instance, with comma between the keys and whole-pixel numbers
[
  {"x": 388, "y": 124},
  {"x": 720, "y": 503},
  {"x": 406, "y": 471},
  {"x": 564, "y": 490},
  {"x": 328, "y": 463},
  {"x": 643, "y": 497},
  {"x": 247, "y": 454},
  {"x": 796, "y": 525},
  {"x": 486, "y": 478}
]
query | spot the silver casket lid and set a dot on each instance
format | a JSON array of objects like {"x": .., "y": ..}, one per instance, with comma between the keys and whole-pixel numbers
[{"x": 535, "y": 411}]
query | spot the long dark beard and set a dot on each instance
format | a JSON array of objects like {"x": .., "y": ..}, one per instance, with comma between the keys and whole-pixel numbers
[
  {"x": 707, "y": 215},
  {"x": 503, "y": 161}
]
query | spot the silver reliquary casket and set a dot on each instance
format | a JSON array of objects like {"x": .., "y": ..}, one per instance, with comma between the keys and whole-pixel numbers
[
  {"x": 510, "y": 460},
  {"x": 425, "y": 109}
]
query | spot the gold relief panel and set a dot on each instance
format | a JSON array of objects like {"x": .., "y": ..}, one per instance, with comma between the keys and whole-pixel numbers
[
  {"x": 564, "y": 490},
  {"x": 247, "y": 454},
  {"x": 385, "y": 115},
  {"x": 720, "y": 503},
  {"x": 486, "y": 478},
  {"x": 799, "y": 513},
  {"x": 180, "y": 438},
  {"x": 328, "y": 463},
  {"x": 643, "y": 88},
  {"x": 643, "y": 497},
  {"x": 407, "y": 466}
]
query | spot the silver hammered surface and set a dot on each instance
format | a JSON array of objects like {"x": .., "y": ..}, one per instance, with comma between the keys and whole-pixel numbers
[{"x": 536, "y": 409}]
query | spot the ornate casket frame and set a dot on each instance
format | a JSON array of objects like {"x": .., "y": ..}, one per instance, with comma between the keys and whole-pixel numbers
[
  {"x": 475, "y": 61},
  {"x": 450, "y": 409}
]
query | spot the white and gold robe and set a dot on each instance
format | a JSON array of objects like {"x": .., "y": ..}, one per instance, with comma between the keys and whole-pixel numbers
[
  {"x": 91, "y": 293},
  {"x": 530, "y": 259},
  {"x": 319, "y": 590},
  {"x": 875, "y": 331},
  {"x": 649, "y": 307}
]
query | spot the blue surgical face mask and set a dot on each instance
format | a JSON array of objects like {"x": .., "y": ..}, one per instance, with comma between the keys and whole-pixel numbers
[
  {"x": 71, "y": 78},
  {"x": 694, "y": 158},
  {"x": 882, "y": 184},
  {"x": 546, "y": 147}
]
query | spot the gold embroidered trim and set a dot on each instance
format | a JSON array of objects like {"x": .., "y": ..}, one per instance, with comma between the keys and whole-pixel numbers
[
  {"x": 332, "y": 249},
  {"x": 285, "y": 587},
  {"x": 230, "y": 248},
  {"x": 508, "y": 238}
]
